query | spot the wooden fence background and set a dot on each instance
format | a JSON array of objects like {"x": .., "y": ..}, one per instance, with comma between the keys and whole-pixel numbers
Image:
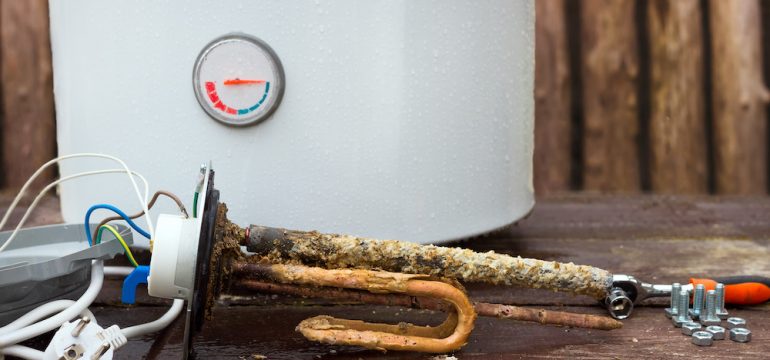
[{"x": 663, "y": 96}]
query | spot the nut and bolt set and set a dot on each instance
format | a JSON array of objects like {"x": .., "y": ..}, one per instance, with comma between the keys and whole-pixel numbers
[{"x": 703, "y": 322}]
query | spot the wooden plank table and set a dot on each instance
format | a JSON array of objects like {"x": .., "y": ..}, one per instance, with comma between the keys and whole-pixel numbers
[{"x": 657, "y": 239}]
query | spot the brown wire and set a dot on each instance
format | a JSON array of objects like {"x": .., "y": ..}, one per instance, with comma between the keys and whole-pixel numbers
[{"x": 155, "y": 196}]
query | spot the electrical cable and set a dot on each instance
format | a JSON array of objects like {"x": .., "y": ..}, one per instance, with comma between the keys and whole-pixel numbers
[
  {"x": 41, "y": 312},
  {"x": 142, "y": 201},
  {"x": 120, "y": 238},
  {"x": 195, "y": 205},
  {"x": 155, "y": 196},
  {"x": 87, "y": 222},
  {"x": 162, "y": 322},
  {"x": 28, "y": 332},
  {"x": 23, "y": 352},
  {"x": 48, "y": 188},
  {"x": 118, "y": 270}
]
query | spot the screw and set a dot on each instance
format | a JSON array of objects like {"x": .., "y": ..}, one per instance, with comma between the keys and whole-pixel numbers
[
  {"x": 736, "y": 322},
  {"x": 203, "y": 168},
  {"x": 690, "y": 327},
  {"x": 682, "y": 316},
  {"x": 720, "y": 305},
  {"x": 740, "y": 335},
  {"x": 702, "y": 338},
  {"x": 717, "y": 331},
  {"x": 100, "y": 351},
  {"x": 674, "y": 309},
  {"x": 697, "y": 301},
  {"x": 82, "y": 323},
  {"x": 710, "y": 316}
]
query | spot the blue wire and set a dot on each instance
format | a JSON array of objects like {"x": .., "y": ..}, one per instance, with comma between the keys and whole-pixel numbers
[{"x": 115, "y": 210}]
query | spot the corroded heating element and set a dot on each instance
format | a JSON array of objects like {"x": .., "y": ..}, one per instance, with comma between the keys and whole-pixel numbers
[
  {"x": 344, "y": 251},
  {"x": 449, "y": 336}
]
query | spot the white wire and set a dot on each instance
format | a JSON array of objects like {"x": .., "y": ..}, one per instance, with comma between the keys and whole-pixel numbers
[
  {"x": 52, "y": 185},
  {"x": 28, "y": 332},
  {"x": 162, "y": 322},
  {"x": 23, "y": 352},
  {"x": 41, "y": 312},
  {"x": 118, "y": 270},
  {"x": 128, "y": 172}
]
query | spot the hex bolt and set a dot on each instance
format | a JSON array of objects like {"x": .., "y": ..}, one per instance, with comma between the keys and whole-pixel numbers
[
  {"x": 674, "y": 309},
  {"x": 697, "y": 301},
  {"x": 82, "y": 323},
  {"x": 717, "y": 331},
  {"x": 682, "y": 315},
  {"x": 702, "y": 338},
  {"x": 710, "y": 316},
  {"x": 720, "y": 305},
  {"x": 690, "y": 327},
  {"x": 741, "y": 335},
  {"x": 736, "y": 322}
]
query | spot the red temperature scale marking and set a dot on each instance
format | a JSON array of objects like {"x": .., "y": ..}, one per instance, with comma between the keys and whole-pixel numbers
[{"x": 211, "y": 90}]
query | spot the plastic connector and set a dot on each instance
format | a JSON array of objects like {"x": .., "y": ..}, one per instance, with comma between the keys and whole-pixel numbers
[
  {"x": 172, "y": 266},
  {"x": 136, "y": 277},
  {"x": 84, "y": 339}
]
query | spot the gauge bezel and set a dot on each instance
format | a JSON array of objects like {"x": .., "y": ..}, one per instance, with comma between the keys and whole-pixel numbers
[{"x": 278, "y": 86}]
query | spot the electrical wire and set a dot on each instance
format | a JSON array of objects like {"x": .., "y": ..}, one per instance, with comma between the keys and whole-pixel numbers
[
  {"x": 48, "y": 188},
  {"x": 157, "y": 325},
  {"x": 195, "y": 205},
  {"x": 142, "y": 201},
  {"x": 155, "y": 196},
  {"x": 120, "y": 238},
  {"x": 87, "y": 222},
  {"x": 41, "y": 312},
  {"x": 28, "y": 332},
  {"x": 118, "y": 270},
  {"x": 23, "y": 352}
]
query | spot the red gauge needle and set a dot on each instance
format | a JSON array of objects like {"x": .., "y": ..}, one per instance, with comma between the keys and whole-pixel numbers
[{"x": 238, "y": 81}]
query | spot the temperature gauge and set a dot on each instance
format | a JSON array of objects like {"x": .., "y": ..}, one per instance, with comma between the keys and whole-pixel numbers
[{"x": 238, "y": 80}]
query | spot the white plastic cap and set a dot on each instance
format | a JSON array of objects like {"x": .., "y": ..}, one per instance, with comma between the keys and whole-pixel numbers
[{"x": 172, "y": 266}]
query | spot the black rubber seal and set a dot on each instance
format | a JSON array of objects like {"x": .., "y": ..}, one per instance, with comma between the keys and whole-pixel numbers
[{"x": 202, "y": 271}]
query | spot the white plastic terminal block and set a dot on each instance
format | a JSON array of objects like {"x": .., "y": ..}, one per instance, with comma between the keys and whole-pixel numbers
[
  {"x": 84, "y": 339},
  {"x": 172, "y": 266}
]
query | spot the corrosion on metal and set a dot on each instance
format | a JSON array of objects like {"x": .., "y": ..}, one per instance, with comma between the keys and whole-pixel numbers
[
  {"x": 344, "y": 251},
  {"x": 449, "y": 336},
  {"x": 510, "y": 312}
]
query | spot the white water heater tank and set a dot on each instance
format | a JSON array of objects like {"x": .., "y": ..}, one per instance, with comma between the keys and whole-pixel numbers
[{"x": 405, "y": 119}]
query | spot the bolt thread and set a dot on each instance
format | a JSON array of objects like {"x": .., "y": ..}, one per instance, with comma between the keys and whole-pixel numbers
[
  {"x": 720, "y": 297},
  {"x": 684, "y": 300},
  {"x": 675, "y": 289},
  {"x": 697, "y": 301},
  {"x": 711, "y": 308}
]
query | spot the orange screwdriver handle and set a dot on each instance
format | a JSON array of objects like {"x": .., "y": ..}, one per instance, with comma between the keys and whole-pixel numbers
[{"x": 740, "y": 290}]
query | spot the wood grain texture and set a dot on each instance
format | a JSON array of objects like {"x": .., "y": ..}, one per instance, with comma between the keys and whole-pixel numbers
[
  {"x": 552, "y": 99},
  {"x": 609, "y": 72},
  {"x": 678, "y": 158},
  {"x": 28, "y": 125},
  {"x": 739, "y": 97}
]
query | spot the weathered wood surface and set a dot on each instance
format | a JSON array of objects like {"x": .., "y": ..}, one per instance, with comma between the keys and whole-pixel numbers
[
  {"x": 610, "y": 70},
  {"x": 739, "y": 97},
  {"x": 678, "y": 157},
  {"x": 659, "y": 239},
  {"x": 553, "y": 112},
  {"x": 28, "y": 127}
]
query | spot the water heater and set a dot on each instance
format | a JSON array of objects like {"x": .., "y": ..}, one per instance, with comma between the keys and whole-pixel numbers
[{"x": 407, "y": 119}]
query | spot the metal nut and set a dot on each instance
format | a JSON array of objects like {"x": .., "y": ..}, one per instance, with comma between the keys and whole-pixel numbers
[
  {"x": 736, "y": 322},
  {"x": 740, "y": 335},
  {"x": 690, "y": 327},
  {"x": 717, "y": 331},
  {"x": 702, "y": 338}
]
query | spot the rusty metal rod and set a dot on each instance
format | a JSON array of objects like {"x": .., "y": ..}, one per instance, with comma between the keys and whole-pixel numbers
[
  {"x": 542, "y": 316},
  {"x": 344, "y": 251}
]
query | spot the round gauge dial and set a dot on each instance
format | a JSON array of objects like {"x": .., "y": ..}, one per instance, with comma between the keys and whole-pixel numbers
[{"x": 238, "y": 80}]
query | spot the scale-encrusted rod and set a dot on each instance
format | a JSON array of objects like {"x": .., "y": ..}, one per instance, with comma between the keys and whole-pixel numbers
[{"x": 344, "y": 251}]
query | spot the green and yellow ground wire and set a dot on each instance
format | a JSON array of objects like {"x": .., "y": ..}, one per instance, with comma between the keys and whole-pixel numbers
[{"x": 120, "y": 238}]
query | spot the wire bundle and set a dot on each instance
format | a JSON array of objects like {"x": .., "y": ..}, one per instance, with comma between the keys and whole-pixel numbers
[{"x": 51, "y": 315}]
